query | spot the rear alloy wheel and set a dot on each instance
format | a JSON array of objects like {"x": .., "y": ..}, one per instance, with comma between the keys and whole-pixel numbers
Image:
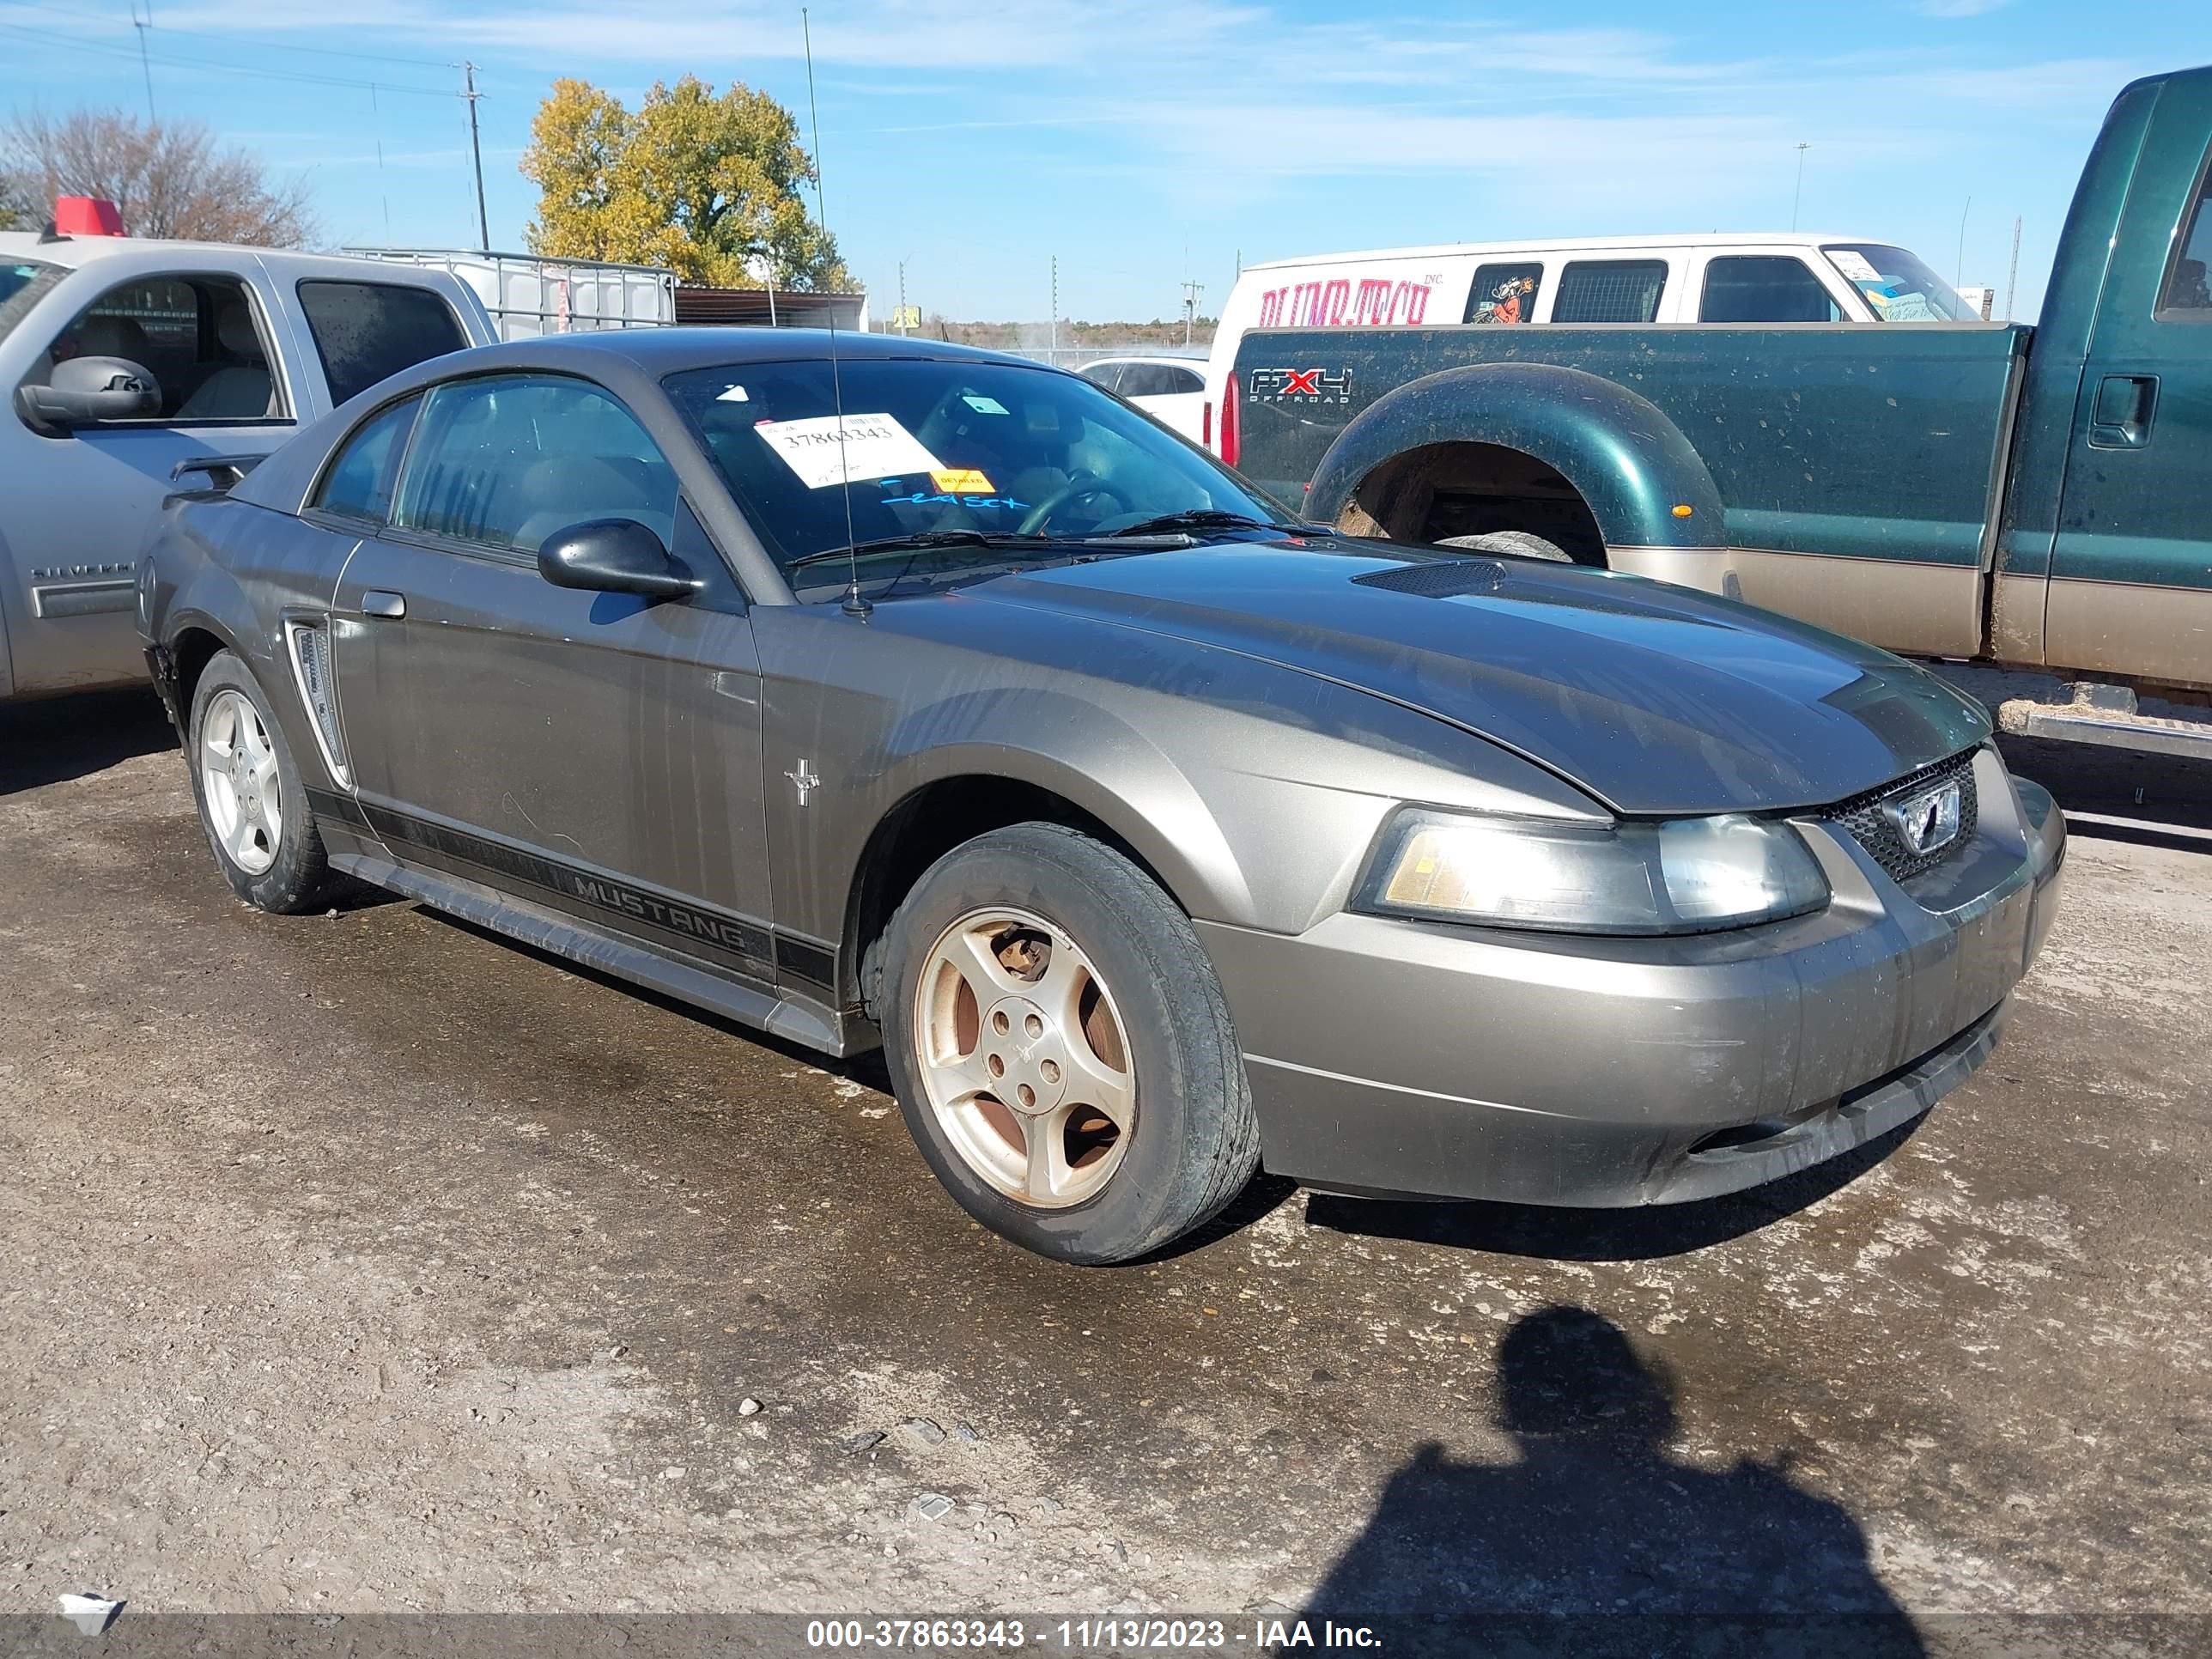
[
  {"x": 237, "y": 781},
  {"x": 251, "y": 801},
  {"x": 1060, "y": 1047}
]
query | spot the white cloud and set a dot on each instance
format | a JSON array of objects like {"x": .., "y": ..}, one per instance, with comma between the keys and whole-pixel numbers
[{"x": 1962, "y": 8}]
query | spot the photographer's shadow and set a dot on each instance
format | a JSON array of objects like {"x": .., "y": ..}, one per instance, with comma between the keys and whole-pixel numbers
[{"x": 1594, "y": 1539}]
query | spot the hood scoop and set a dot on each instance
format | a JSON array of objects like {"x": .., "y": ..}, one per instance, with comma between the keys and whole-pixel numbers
[{"x": 1439, "y": 578}]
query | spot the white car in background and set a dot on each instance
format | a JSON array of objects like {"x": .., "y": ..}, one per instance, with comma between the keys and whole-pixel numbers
[{"x": 1171, "y": 390}]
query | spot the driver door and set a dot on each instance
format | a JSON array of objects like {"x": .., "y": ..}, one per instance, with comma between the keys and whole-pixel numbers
[
  {"x": 595, "y": 753},
  {"x": 203, "y": 335}
]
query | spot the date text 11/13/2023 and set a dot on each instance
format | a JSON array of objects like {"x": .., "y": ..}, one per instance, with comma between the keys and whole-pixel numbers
[{"x": 1087, "y": 1635}]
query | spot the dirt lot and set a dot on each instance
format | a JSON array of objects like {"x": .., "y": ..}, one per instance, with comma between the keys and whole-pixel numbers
[{"x": 365, "y": 1263}]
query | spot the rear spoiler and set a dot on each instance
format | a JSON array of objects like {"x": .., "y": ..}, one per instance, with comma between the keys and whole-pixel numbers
[{"x": 222, "y": 471}]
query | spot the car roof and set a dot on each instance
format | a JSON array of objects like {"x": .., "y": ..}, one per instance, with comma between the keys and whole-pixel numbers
[
  {"x": 628, "y": 361},
  {"x": 150, "y": 255},
  {"x": 1799, "y": 238},
  {"x": 657, "y": 351},
  {"x": 1138, "y": 357}
]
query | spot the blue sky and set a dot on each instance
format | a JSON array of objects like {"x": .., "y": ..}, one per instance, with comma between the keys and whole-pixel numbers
[{"x": 1140, "y": 139}]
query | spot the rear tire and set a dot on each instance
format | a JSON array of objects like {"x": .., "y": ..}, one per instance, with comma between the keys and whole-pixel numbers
[
  {"x": 1092, "y": 1156},
  {"x": 253, "y": 803},
  {"x": 1522, "y": 541}
]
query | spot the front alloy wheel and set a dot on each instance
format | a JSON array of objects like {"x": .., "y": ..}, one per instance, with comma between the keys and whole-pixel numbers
[
  {"x": 1025, "y": 1058},
  {"x": 1060, "y": 1046}
]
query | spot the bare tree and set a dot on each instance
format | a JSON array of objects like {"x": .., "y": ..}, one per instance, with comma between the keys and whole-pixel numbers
[{"x": 170, "y": 179}]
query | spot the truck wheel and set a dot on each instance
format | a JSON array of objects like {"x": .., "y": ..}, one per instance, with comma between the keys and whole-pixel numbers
[
  {"x": 250, "y": 800},
  {"x": 1511, "y": 541},
  {"x": 1060, "y": 1048}
]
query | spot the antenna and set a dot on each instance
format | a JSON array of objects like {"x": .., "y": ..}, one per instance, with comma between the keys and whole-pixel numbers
[{"x": 854, "y": 605}]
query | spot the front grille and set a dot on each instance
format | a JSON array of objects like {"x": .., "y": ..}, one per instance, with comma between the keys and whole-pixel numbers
[{"x": 1870, "y": 827}]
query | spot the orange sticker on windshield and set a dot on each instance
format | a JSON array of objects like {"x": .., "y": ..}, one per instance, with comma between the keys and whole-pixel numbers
[{"x": 961, "y": 481}]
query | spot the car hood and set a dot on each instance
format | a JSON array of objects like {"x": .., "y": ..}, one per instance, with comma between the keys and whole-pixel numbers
[{"x": 1657, "y": 700}]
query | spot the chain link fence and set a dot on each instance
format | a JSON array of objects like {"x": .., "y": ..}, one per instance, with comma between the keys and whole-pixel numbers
[{"x": 1035, "y": 340}]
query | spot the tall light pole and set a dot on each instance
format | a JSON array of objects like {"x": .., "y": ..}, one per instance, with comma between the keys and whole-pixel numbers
[
  {"x": 476, "y": 150},
  {"x": 901, "y": 310},
  {"x": 144, "y": 63},
  {"x": 1190, "y": 292},
  {"x": 1798, "y": 195}
]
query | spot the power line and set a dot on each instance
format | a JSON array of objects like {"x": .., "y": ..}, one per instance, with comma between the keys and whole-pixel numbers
[
  {"x": 232, "y": 39},
  {"x": 170, "y": 60}
]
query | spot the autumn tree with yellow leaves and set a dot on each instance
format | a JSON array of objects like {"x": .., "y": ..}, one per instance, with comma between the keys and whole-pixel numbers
[{"x": 705, "y": 185}]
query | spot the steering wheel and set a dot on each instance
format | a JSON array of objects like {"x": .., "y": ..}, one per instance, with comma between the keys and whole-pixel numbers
[{"x": 1080, "y": 488}]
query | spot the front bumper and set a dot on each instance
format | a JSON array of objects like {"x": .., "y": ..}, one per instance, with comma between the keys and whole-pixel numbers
[{"x": 1390, "y": 1056}]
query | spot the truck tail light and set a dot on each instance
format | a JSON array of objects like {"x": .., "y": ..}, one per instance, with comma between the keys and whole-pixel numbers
[{"x": 1230, "y": 436}]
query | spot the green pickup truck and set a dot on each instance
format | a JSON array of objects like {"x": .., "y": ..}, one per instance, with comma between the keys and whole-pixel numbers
[{"x": 2029, "y": 499}]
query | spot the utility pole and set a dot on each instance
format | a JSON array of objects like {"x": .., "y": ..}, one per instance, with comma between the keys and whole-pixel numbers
[
  {"x": 475, "y": 151},
  {"x": 2012, "y": 275},
  {"x": 1190, "y": 292},
  {"x": 901, "y": 310},
  {"x": 144, "y": 63},
  {"x": 1798, "y": 195},
  {"x": 1054, "y": 358}
]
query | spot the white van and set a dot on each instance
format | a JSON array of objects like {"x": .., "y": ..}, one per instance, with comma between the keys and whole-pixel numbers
[{"x": 1785, "y": 277}]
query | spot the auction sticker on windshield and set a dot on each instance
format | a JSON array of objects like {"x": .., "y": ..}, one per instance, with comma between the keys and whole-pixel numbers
[{"x": 830, "y": 449}]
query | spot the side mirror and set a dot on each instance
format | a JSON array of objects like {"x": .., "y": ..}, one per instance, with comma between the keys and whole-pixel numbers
[
  {"x": 614, "y": 556},
  {"x": 83, "y": 391}
]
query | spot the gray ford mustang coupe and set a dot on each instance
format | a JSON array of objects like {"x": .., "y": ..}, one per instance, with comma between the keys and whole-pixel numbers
[{"x": 924, "y": 698}]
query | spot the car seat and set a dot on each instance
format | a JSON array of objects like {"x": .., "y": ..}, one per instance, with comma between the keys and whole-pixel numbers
[{"x": 239, "y": 391}]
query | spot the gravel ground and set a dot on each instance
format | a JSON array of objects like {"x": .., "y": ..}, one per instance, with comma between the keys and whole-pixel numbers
[{"x": 365, "y": 1262}]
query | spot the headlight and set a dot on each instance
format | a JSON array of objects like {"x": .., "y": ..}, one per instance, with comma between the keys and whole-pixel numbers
[{"x": 1686, "y": 876}]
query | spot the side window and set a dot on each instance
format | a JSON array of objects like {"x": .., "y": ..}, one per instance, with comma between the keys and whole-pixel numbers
[
  {"x": 507, "y": 460},
  {"x": 1764, "y": 288},
  {"x": 1505, "y": 294},
  {"x": 1609, "y": 291},
  {"x": 1148, "y": 380},
  {"x": 359, "y": 483},
  {"x": 1185, "y": 379},
  {"x": 198, "y": 336},
  {"x": 2188, "y": 296},
  {"x": 364, "y": 331},
  {"x": 1104, "y": 375}
]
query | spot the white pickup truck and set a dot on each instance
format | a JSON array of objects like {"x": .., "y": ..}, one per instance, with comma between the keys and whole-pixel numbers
[{"x": 124, "y": 359}]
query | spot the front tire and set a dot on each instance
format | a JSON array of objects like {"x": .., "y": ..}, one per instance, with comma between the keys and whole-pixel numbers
[
  {"x": 251, "y": 801},
  {"x": 1060, "y": 1047}
]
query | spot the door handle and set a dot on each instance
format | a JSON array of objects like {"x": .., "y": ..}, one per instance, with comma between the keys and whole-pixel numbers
[
  {"x": 378, "y": 603},
  {"x": 2122, "y": 415}
]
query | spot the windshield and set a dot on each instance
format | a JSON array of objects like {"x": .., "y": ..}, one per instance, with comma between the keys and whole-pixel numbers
[
  {"x": 1898, "y": 286},
  {"x": 22, "y": 282},
  {"x": 952, "y": 451}
]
